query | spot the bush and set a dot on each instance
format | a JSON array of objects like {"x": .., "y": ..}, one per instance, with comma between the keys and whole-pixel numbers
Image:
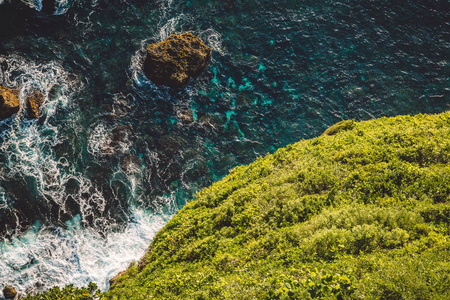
[{"x": 363, "y": 214}]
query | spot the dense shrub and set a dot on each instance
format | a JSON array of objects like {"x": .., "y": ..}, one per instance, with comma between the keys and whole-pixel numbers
[{"x": 361, "y": 212}]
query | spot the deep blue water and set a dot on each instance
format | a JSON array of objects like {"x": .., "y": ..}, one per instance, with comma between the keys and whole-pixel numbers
[{"x": 84, "y": 188}]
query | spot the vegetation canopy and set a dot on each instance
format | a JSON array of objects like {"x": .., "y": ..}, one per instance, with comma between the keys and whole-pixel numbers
[{"x": 358, "y": 213}]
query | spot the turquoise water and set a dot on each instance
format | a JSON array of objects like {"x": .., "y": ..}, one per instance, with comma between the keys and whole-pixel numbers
[{"x": 84, "y": 188}]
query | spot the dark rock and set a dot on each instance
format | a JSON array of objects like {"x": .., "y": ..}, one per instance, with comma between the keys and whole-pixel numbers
[
  {"x": 48, "y": 6},
  {"x": 34, "y": 102},
  {"x": 9, "y": 102},
  {"x": 173, "y": 61},
  {"x": 9, "y": 292}
]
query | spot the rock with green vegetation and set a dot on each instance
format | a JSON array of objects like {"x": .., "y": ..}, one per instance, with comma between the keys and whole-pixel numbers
[
  {"x": 173, "y": 61},
  {"x": 9, "y": 102},
  {"x": 361, "y": 214}
]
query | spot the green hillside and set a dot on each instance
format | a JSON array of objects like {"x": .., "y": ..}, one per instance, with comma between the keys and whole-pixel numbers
[{"x": 361, "y": 212}]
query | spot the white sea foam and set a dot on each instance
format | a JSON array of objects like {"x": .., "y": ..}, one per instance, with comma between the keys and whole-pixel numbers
[
  {"x": 214, "y": 40},
  {"x": 30, "y": 144},
  {"x": 172, "y": 26},
  {"x": 43, "y": 257},
  {"x": 61, "y": 7},
  {"x": 100, "y": 141}
]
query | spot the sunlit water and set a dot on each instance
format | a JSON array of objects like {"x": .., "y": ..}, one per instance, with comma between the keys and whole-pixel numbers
[{"x": 84, "y": 188}]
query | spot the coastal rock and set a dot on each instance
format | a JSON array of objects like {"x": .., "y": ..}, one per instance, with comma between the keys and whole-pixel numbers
[
  {"x": 116, "y": 278},
  {"x": 9, "y": 292},
  {"x": 9, "y": 102},
  {"x": 173, "y": 61},
  {"x": 34, "y": 102}
]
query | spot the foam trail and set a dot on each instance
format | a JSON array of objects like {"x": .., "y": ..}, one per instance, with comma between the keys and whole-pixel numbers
[
  {"x": 61, "y": 7},
  {"x": 45, "y": 257},
  {"x": 30, "y": 144},
  {"x": 70, "y": 253},
  {"x": 214, "y": 40},
  {"x": 170, "y": 27}
]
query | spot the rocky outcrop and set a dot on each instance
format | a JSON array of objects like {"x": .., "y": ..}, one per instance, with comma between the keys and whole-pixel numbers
[
  {"x": 173, "y": 61},
  {"x": 114, "y": 280},
  {"x": 34, "y": 103},
  {"x": 9, "y": 102},
  {"x": 9, "y": 292}
]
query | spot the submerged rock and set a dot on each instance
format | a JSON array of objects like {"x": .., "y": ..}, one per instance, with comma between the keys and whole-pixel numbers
[
  {"x": 48, "y": 6},
  {"x": 173, "y": 61},
  {"x": 9, "y": 292},
  {"x": 130, "y": 164},
  {"x": 34, "y": 102},
  {"x": 9, "y": 102}
]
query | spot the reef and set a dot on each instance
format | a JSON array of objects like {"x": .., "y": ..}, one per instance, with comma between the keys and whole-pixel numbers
[{"x": 173, "y": 61}]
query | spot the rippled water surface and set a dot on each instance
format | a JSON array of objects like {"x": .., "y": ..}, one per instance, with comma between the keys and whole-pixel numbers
[{"x": 84, "y": 188}]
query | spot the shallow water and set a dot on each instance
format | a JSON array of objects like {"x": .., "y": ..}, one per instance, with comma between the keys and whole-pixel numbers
[{"x": 84, "y": 188}]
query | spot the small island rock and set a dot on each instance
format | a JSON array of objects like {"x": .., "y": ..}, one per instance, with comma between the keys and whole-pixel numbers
[
  {"x": 34, "y": 102},
  {"x": 173, "y": 61},
  {"x": 9, "y": 102},
  {"x": 9, "y": 292}
]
